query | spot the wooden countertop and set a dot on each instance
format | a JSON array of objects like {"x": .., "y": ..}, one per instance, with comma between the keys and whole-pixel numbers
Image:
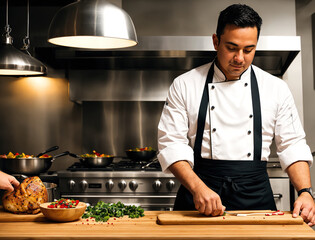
[{"x": 14, "y": 226}]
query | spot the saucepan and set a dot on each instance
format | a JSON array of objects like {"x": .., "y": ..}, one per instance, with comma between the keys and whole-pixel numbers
[
  {"x": 94, "y": 160},
  {"x": 30, "y": 165},
  {"x": 141, "y": 154},
  {"x": 52, "y": 190}
]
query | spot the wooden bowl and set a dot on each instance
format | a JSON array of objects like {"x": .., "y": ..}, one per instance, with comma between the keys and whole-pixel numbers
[{"x": 63, "y": 214}]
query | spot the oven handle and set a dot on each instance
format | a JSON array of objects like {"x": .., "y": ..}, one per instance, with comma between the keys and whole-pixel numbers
[
  {"x": 118, "y": 196},
  {"x": 277, "y": 195}
]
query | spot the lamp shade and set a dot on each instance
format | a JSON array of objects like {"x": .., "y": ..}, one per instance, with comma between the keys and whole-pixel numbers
[
  {"x": 16, "y": 63},
  {"x": 93, "y": 24}
]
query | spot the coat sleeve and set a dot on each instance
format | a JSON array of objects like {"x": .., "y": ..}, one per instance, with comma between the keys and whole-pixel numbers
[
  {"x": 173, "y": 140},
  {"x": 289, "y": 132}
]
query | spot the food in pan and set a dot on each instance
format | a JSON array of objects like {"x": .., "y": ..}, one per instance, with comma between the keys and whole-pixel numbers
[
  {"x": 95, "y": 154},
  {"x": 144, "y": 149},
  {"x": 22, "y": 155},
  {"x": 27, "y": 197},
  {"x": 141, "y": 154}
]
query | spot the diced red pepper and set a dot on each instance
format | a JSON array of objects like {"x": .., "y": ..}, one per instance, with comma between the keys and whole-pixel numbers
[{"x": 64, "y": 203}]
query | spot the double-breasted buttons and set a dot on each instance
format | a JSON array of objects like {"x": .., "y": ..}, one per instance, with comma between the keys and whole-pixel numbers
[
  {"x": 249, "y": 131},
  {"x": 246, "y": 84},
  {"x": 212, "y": 108}
]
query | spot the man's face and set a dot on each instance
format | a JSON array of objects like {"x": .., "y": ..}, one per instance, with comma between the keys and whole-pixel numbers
[{"x": 236, "y": 50}]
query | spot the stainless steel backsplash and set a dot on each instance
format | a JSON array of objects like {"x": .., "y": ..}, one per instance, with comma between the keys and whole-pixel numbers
[
  {"x": 120, "y": 85},
  {"x": 111, "y": 127},
  {"x": 120, "y": 109}
]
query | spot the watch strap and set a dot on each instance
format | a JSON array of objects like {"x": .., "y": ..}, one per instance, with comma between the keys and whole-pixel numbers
[{"x": 309, "y": 190}]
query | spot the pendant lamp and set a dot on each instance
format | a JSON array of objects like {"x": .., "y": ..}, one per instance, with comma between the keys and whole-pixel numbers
[
  {"x": 14, "y": 62},
  {"x": 92, "y": 24}
]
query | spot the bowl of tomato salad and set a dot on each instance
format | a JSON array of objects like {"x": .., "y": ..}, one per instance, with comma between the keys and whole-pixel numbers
[{"x": 63, "y": 210}]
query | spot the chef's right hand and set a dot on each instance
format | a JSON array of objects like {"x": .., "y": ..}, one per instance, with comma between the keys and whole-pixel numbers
[{"x": 208, "y": 202}]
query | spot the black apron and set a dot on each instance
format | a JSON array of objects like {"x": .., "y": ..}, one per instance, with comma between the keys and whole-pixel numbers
[{"x": 241, "y": 185}]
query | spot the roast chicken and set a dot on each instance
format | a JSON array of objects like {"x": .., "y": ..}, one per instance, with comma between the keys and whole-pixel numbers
[{"x": 27, "y": 197}]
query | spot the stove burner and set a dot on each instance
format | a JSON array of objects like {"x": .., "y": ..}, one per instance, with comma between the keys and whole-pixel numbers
[
  {"x": 77, "y": 166},
  {"x": 122, "y": 165}
]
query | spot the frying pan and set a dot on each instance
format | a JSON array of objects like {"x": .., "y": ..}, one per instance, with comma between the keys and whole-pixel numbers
[
  {"x": 54, "y": 148},
  {"x": 94, "y": 162},
  {"x": 140, "y": 156},
  {"x": 30, "y": 166}
]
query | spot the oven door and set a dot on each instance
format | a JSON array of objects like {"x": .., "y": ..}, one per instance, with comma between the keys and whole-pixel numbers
[{"x": 281, "y": 193}]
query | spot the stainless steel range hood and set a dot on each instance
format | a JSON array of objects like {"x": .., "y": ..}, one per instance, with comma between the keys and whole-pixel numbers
[
  {"x": 145, "y": 72},
  {"x": 274, "y": 54}
]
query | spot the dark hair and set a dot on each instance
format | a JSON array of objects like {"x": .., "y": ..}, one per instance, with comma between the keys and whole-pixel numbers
[{"x": 240, "y": 15}]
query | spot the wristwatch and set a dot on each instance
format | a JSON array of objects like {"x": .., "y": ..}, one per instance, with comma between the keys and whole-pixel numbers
[{"x": 309, "y": 190}]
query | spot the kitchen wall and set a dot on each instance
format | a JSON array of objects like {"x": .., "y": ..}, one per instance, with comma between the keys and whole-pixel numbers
[{"x": 36, "y": 114}]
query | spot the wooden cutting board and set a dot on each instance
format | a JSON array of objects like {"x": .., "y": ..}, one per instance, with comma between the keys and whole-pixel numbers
[
  {"x": 195, "y": 218},
  {"x": 11, "y": 217}
]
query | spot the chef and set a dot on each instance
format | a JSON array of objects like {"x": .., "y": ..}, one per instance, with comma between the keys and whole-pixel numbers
[{"x": 219, "y": 121}]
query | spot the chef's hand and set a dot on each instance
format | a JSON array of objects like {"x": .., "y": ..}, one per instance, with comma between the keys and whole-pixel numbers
[
  {"x": 305, "y": 206},
  {"x": 208, "y": 202},
  {"x": 7, "y": 182}
]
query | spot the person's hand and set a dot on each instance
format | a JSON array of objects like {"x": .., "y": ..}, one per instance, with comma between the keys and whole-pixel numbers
[
  {"x": 8, "y": 182},
  {"x": 208, "y": 202},
  {"x": 305, "y": 206}
]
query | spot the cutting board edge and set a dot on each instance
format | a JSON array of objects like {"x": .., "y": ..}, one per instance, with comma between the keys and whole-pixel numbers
[
  {"x": 171, "y": 219},
  {"x": 230, "y": 223}
]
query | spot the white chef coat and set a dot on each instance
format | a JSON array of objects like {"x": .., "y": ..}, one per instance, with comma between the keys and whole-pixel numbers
[{"x": 228, "y": 133}]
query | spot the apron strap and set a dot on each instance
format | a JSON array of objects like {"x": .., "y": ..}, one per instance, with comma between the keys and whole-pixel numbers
[
  {"x": 202, "y": 114},
  {"x": 257, "y": 117},
  {"x": 257, "y": 134}
]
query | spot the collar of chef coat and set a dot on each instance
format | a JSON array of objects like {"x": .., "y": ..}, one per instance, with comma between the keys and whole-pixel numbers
[{"x": 219, "y": 76}]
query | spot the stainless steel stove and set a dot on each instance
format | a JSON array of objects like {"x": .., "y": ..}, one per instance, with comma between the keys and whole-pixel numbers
[
  {"x": 138, "y": 183},
  {"x": 135, "y": 183}
]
